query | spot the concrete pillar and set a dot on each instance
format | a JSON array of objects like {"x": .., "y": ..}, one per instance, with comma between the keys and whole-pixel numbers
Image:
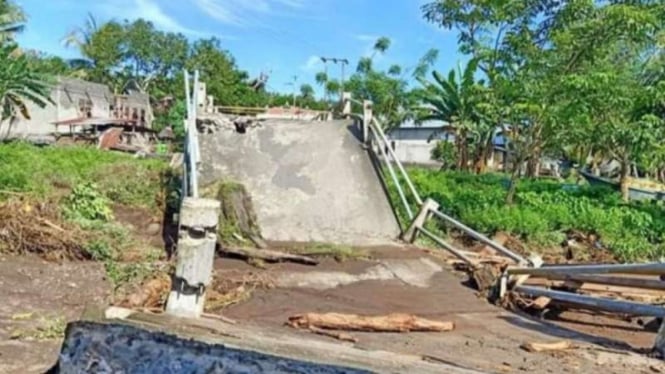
[
  {"x": 346, "y": 103},
  {"x": 195, "y": 255},
  {"x": 367, "y": 118},
  {"x": 423, "y": 215}
]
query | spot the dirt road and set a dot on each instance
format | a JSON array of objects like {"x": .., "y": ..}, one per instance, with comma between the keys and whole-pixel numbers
[{"x": 485, "y": 338}]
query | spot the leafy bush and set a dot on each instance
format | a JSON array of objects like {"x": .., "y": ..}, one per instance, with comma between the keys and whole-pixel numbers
[
  {"x": 545, "y": 209},
  {"x": 87, "y": 203}
]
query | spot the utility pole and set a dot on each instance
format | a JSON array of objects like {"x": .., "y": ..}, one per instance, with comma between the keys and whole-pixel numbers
[
  {"x": 343, "y": 62},
  {"x": 295, "y": 88}
]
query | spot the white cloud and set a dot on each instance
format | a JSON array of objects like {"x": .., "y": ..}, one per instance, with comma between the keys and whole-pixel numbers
[
  {"x": 148, "y": 10},
  {"x": 311, "y": 64},
  {"x": 366, "y": 37},
  {"x": 243, "y": 12}
]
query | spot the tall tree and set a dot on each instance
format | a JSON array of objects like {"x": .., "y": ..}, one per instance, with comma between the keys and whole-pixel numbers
[{"x": 12, "y": 20}]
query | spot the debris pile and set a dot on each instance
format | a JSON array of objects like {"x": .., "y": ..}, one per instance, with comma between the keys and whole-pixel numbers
[
  {"x": 26, "y": 227},
  {"x": 211, "y": 123}
]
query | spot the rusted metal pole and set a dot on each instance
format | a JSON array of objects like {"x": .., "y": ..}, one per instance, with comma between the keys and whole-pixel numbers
[
  {"x": 595, "y": 303},
  {"x": 655, "y": 268}
]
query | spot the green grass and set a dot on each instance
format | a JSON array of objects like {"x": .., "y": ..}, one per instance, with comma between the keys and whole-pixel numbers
[
  {"x": 545, "y": 210},
  {"x": 43, "y": 171}
]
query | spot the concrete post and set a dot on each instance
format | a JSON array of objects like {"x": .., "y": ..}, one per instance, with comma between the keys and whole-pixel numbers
[
  {"x": 367, "y": 118},
  {"x": 196, "y": 252},
  {"x": 346, "y": 103},
  {"x": 425, "y": 212}
]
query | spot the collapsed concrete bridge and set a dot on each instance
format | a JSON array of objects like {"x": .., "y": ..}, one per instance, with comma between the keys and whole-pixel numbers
[{"x": 309, "y": 180}]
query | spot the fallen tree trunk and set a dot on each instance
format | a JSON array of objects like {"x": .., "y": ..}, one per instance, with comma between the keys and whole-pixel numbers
[
  {"x": 396, "y": 322},
  {"x": 268, "y": 255}
]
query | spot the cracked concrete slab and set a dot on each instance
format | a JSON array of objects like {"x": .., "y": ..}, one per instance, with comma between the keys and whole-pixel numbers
[
  {"x": 309, "y": 181},
  {"x": 415, "y": 273}
]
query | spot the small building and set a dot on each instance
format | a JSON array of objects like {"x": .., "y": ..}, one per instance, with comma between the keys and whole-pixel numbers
[
  {"x": 413, "y": 143},
  {"x": 77, "y": 105}
]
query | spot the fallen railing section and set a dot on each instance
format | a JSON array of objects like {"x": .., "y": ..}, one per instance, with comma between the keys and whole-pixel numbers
[{"x": 516, "y": 269}]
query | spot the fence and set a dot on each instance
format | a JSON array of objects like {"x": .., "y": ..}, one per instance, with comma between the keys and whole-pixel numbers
[{"x": 513, "y": 277}]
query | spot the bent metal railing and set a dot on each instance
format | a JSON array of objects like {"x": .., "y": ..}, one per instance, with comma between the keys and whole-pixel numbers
[
  {"x": 378, "y": 143},
  {"x": 513, "y": 277}
]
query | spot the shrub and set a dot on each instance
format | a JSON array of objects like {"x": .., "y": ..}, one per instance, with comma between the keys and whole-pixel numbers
[
  {"x": 545, "y": 210},
  {"x": 87, "y": 203}
]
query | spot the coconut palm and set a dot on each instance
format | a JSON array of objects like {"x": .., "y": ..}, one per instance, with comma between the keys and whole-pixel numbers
[
  {"x": 19, "y": 85},
  {"x": 457, "y": 101},
  {"x": 11, "y": 20}
]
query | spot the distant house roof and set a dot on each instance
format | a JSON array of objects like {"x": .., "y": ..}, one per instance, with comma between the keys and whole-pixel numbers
[{"x": 85, "y": 121}]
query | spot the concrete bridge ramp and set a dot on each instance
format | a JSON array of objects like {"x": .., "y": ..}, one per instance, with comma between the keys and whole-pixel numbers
[{"x": 309, "y": 181}]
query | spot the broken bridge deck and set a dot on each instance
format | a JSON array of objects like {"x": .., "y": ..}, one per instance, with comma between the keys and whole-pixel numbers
[{"x": 309, "y": 181}]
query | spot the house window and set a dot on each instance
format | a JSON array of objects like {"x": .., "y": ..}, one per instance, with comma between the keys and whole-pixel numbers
[
  {"x": 143, "y": 117},
  {"x": 85, "y": 108}
]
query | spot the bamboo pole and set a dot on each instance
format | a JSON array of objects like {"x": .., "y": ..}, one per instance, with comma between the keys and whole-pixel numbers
[
  {"x": 595, "y": 303},
  {"x": 655, "y": 268}
]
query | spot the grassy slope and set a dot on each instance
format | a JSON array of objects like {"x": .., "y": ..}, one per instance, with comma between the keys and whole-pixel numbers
[{"x": 44, "y": 172}]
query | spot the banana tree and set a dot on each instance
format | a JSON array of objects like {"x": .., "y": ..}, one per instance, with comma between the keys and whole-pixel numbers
[
  {"x": 457, "y": 100},
  {"x": 11, "y": 20},
  {"x": 19, "y": 85}
]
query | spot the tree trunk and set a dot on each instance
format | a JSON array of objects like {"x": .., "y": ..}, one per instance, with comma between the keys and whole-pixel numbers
[
  {"x": 624, "y": 179},
  {"x": 480, "y": 164},
  {"x": 512, "y": 188},
  {"x": 533, "y": 164},
  {"x": 463, "y": 151}
]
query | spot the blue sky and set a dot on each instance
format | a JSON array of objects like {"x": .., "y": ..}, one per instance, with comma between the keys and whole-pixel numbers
[{"x": 283, "y": 37}]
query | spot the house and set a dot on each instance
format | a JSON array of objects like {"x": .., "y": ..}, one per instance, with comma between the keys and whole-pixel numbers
[
  {"x": 413, "y": 143},
  {"x": 78, "y": 105}
]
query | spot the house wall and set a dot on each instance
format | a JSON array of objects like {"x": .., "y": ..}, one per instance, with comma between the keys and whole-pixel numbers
[{"x": 68, "y": 97}]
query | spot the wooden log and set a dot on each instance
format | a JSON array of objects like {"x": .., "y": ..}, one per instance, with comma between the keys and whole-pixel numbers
[
  {"x": 396, "y": 322},
  {"x": 269, "y": 255},
  {"x": 542, "y": 347}
]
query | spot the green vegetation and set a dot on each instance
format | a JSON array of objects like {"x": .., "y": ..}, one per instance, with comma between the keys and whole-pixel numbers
[
  {"x": 338, "y": 252},
  {"x": 44, "y": 171},
  {"x": 544, "y": 210},
  {"x": 61, "y": 176}
]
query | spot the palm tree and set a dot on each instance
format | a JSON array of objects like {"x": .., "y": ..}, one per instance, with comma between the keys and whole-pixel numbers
[
  {"x": 11, "y": 20},
  {"x": 381, "y": 46},
  {"x": 19, "y": 85},
  {"x": 81, "y": 39},
  {"x": 306, "y": 91},
  {"x": 457, "y": 100}
]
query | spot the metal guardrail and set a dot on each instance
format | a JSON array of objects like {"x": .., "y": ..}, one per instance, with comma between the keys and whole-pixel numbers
[
  {"x": 378, "y": 138},
  {"x": 192, "y": 152}
]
